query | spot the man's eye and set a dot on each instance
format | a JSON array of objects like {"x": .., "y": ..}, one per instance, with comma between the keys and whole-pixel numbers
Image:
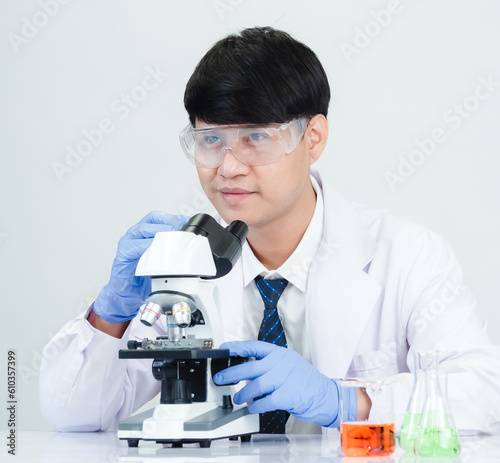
[
  {"x": 259, "y": 136},
  {"x": 211, "y": 140}
]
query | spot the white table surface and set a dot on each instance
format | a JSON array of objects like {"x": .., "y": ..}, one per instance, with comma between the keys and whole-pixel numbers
[{"x": 105, "y": 447}]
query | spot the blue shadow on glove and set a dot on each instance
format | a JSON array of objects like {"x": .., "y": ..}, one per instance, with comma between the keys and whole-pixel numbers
[{"x": 287, "y": 382}]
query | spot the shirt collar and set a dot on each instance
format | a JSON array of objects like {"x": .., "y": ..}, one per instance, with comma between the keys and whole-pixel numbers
[{"x": 296, "y": 268}]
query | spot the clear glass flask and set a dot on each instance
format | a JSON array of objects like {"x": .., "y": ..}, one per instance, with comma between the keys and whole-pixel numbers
[
  {"x": 437, "y": 435},
  {"x": 413, "y": 413}
]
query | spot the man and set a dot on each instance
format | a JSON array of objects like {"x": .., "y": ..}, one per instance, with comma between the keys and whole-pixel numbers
[{"x": 357, "y": 290}]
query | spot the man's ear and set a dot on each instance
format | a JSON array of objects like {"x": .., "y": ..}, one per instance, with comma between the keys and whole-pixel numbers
[{"x": 315, "y": 136}]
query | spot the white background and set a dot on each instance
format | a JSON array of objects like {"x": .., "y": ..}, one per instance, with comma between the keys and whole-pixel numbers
[{"x": 58, "y": 235}]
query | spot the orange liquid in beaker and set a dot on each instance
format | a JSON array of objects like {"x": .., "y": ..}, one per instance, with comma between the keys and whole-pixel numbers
[{"x": 361, "y": 439}]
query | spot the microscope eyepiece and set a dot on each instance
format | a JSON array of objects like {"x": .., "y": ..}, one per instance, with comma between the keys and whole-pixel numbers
[
  {"x": 238, "y": 229},
  {"x": 225, "y": 243}
]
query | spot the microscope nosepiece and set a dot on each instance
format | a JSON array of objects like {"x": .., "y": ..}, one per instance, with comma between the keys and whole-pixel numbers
[{"x": 151, "y": 313}]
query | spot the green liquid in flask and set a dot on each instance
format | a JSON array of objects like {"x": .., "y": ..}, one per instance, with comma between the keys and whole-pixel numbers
[
  {"x": 409, "y": 432},
  {"x": 438, "y": 443}
]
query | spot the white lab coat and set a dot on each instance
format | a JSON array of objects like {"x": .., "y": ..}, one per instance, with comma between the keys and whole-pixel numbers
[{"x": 378, "y": 289}]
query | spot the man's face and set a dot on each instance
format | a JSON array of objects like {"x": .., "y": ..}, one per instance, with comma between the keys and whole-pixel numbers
[{"x": 258, "y": 195}]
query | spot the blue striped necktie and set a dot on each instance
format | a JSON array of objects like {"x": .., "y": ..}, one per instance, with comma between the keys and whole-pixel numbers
[{"x": 271, "y": 330}]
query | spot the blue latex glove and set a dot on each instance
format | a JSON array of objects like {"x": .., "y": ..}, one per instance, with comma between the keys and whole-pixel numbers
[
  {"x": 122, "y": 297},
  {"x": 287, "y": 381}
]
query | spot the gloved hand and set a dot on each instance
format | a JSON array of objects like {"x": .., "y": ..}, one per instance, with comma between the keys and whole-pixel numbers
[
  {"x": 287, "y": 381},
  {"x": 122, "y": 297}
]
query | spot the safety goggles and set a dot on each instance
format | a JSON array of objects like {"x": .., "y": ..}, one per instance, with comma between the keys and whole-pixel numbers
[{"x": 250, "y": 144}]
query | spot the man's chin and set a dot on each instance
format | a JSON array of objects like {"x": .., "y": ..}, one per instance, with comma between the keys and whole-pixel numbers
[{"x": 231, "y": 215}]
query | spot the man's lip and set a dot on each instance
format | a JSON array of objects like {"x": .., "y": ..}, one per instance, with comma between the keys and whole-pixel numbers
[
  {"x": 235, "y": 191},
  {"x": 234, "y": 196}
]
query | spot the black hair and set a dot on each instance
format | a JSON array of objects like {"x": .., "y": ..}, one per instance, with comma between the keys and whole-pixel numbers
[{"x": 261, "y": 75}]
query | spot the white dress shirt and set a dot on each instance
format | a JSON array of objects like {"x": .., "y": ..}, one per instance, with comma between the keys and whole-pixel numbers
[{"x": 292, "y": 303}]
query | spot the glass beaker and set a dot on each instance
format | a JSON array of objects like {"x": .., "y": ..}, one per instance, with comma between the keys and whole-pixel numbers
[
  {"x": 414, "y": 409},
  {"x": 437, "y": 435},
  {"x": 374, "y": 436}
]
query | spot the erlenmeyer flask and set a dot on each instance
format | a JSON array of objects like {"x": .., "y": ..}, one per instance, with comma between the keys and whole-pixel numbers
[
  {"x": 437, "y": 435},
  {"x": 414, "y": 409}
]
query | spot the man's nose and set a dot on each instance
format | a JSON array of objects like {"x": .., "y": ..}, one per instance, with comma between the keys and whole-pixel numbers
[{"x": 231, "y": 165}]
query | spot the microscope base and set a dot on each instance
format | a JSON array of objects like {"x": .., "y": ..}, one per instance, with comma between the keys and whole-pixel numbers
[{"x": 179, "y": 424}]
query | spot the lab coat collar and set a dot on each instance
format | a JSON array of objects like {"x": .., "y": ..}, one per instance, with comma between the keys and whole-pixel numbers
[{"x": 343, "y": 228}]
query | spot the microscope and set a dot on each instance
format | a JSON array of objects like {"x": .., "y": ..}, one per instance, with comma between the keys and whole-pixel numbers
[{"x": 192, "y": 409}]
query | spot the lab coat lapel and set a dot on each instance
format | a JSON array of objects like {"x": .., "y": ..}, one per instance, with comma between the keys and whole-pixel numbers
[{"x": 340, "y": 294}]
